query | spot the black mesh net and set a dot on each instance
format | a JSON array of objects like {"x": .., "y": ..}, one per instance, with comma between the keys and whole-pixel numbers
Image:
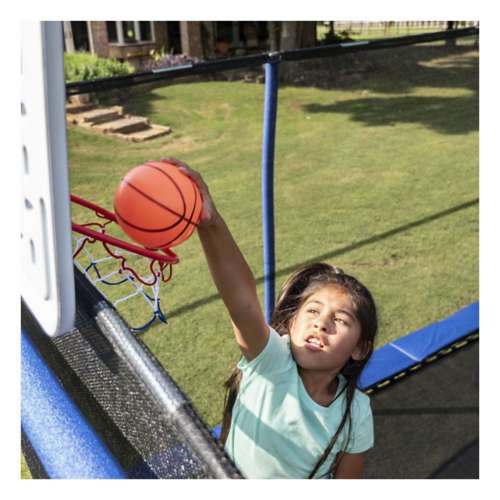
[{"x": 144, "y": 438}]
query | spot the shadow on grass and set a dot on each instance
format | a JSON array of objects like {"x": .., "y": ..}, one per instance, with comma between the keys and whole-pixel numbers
[
  {"x": 389, "y": 71},
  {"x": 392, "y": 71},
  {"x": 450, "y": 115},
  {"x": 399, "y": 71},
  {"x": 329, "y": 255},
  {"x": 136, "y": 100}
]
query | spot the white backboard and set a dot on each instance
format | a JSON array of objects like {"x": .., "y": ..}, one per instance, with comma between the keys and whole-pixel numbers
[{"x": 47, "y": 265}]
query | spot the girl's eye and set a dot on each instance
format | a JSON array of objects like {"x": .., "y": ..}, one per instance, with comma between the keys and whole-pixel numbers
[
  {"x": 312, "y": 311},
  {"x": 341, "y": 321}
]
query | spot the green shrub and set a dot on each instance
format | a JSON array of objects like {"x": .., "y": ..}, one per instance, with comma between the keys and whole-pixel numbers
[{"x": 80, "y": 66}]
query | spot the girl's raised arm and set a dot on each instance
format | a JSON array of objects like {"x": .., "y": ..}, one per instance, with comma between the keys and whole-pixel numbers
[{"x": 231, "y": 274}]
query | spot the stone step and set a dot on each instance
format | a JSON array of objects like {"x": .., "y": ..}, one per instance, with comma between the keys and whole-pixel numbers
[
  {"x": 125, "y": 125},
  {"x": 97, "y": 116},
  {"x": 113, "y": 122},
  {"x": 152, "y": 132},
  {"x": 74, "y": 108}
]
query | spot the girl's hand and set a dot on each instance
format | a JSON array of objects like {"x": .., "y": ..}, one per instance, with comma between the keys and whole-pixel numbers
[{"x": 209, "y": 213}]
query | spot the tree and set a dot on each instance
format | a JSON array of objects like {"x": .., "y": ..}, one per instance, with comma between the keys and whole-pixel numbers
[
  {"x": 451, "y": 25},
  {"x": 273, "y": 30},
  {"x": 297, "y": 34},
  {"x": 289, "y": 35}
]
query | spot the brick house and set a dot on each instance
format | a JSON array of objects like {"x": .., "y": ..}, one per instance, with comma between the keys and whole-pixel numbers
[{"x": 132, "y": 41}]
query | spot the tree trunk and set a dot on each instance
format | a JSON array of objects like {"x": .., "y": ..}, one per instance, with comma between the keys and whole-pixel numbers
[
  {"x": 450, "y": 25},
  {"x": 208, "y": 38},
  {"x": 273, "y": 31},
  {"x": 289, "y": 35},
  {"x": 288, "y": 40},
  {"x": 307, "y": 30},
  {"x": 295, "y": 35},
  {"x": 191, "y": 38}
]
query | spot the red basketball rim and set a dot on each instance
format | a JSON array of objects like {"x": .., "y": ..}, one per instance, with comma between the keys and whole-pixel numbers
[{"x": 166, "y": 255}]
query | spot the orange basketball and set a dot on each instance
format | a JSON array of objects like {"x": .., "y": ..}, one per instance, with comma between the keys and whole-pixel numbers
[{"x": 157, "y": 205}]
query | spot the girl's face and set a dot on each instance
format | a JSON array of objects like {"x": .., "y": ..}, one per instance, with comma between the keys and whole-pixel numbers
[{"x": 325, "y": 332}]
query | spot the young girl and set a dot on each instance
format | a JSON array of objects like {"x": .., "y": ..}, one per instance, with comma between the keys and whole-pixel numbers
[{"x": 292, "y": 408}]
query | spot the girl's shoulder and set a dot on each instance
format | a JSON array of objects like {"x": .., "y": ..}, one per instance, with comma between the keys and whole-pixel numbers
[
  {"x": 361, "y": 405},
  {"x": 274, "y": 358}
]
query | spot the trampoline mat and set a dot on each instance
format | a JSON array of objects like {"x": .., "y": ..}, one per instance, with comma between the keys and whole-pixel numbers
[{"x": 427, "y": 424}]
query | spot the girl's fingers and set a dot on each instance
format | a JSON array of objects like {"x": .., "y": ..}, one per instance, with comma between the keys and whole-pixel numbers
[
  {"x": 179, "y": 164},
  {"x": 175, "y": 161},
  {"x": 208, "y": 208},
  {"x": 182, "y": 166}
]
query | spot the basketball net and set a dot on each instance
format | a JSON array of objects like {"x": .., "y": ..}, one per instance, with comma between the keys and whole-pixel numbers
[{"x": 127, "y": 275}]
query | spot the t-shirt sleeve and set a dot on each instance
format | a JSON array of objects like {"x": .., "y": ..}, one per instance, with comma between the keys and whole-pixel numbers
[
  {"x": 274, "y": 358},
  {"x": 362, "y": 437}
]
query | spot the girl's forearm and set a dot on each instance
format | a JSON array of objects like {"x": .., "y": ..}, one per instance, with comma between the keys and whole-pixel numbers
[{"x": 230, "y": 272}]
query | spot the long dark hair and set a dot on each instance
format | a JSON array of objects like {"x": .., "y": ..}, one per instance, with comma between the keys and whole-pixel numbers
[{"x": 296, "y": 289}]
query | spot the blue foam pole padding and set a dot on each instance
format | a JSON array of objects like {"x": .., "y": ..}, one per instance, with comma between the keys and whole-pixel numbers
[
  {"x": 269, "y": 134},
  {"x": 65, "y": 444}
]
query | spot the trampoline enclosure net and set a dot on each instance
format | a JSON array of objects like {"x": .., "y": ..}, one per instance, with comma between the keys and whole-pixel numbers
[{"x": 116, "y": 402}]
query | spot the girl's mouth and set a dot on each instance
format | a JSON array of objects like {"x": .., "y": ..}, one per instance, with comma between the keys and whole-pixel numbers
[{"x": 314, "y": 344}]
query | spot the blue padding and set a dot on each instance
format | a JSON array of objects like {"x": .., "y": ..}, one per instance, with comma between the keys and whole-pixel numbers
[
  {"x": 426, "y": 341},
  {"x": 216, "y": 431},
  {"x": 385, "y": 362},
  {"x": 411, "y": 349},
  {"x": 268, "y": 146},
  {"x": 65, "y": 444}
]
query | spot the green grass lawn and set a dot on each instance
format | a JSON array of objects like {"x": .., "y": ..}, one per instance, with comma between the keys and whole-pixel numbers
[
  {"x": 379, "y": 176},
  {"x": 25, "y": 472}
]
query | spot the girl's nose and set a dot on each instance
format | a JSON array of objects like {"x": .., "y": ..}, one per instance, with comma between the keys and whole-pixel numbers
[{"x": 323, "y": 325}]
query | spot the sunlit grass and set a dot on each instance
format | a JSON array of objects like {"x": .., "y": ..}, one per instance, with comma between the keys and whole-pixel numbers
[{"x": 380, "y": 179}]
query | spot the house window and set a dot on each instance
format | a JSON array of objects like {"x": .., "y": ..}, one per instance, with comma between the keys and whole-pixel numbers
[
  {"x": 174, "y": 37},
  {"x": 80, "y": 35},
  {"x": 112, "y": 31},
  {"x": 129, "y": 32},
  {"x": 145, "y": 30},
  {"x": 125, "y": 32}
]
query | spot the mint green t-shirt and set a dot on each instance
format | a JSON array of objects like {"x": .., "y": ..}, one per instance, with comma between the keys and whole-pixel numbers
[{"x": 278, "y": 430}]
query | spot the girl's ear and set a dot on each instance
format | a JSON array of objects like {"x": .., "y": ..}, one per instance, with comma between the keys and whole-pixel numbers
[{"x": 361, "y": 351}]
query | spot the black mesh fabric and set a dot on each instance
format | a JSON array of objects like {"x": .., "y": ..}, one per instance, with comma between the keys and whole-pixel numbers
[{"x": 139, "y": 433}]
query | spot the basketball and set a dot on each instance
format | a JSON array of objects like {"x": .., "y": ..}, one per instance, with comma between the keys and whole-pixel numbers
[{"x": 157, "y": 205}]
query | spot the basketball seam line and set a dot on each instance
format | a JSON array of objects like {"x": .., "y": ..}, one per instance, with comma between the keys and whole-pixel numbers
[
  {"x": 159, "y": 204},
  {"x": 195, "y": 190},
  {"x": 146, "y": 230}
]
